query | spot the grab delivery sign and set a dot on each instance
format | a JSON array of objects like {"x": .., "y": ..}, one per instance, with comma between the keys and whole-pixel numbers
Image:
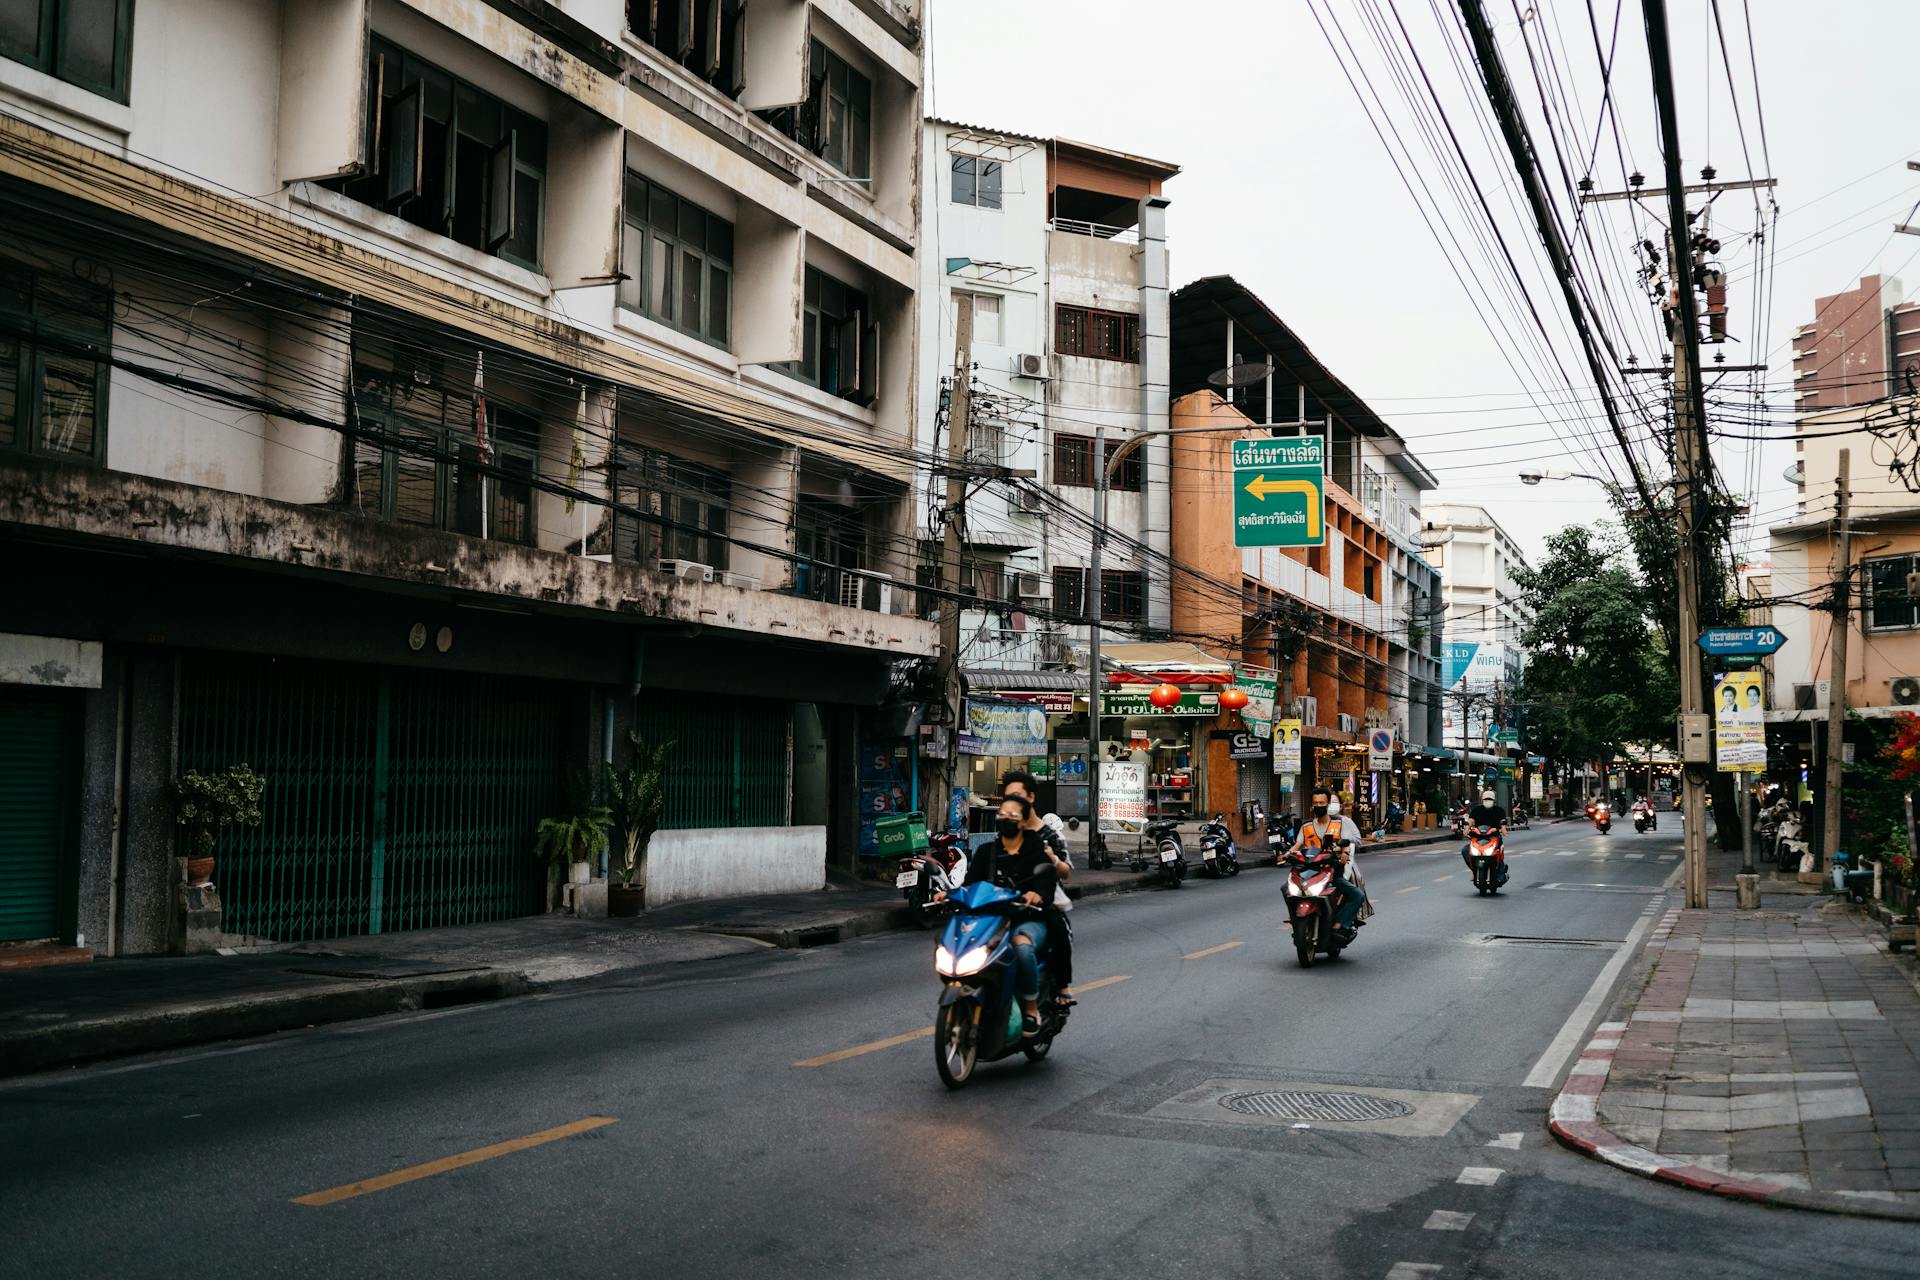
[{"x": 1279, "y": 497}]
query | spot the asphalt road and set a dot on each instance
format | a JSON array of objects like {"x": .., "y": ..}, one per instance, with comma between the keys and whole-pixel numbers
[{"x": 1112, "y": 1159}]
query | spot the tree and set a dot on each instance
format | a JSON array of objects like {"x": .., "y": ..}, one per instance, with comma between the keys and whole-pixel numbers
[{"x": 1599, "y": 674}]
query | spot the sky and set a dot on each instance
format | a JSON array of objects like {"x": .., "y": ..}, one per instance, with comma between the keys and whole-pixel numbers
[{"x": 1287, "y": 185}]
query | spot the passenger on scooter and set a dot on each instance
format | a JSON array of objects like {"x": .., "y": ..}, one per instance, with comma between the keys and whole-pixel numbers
[
  {"x": 1020, "y": 861},
  {"x": 1018, "y": 782},
  {"x": 1327, "y": 824},
  {"x": 1487, "y": 813}
]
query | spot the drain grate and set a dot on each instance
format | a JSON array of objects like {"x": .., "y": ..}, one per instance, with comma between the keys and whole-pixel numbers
[
  {"x": 1301, "y": 1104},
  {"x": 1525, "y": 940}
]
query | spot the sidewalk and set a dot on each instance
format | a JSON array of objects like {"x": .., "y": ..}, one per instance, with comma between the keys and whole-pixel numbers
[{"x": 1771, "y": 1055}]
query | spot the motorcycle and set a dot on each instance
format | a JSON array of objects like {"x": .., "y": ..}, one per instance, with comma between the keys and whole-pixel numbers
[
  {"x": 1396, "y": 819},
  {"x": 940, "y": 868},
  {"x": 978, "y": 1018},
  {"x": 1311, "y": 891},
  {"x": 1521, "y": 818},
  {"x": 1218, "y": 857},
  {"x": 1460, "y": 822},
  {"x": 1487, "y": 854},
  {"x": 1602, "y": 819},
  {"x": 1169, "y": 855},
  {"x": 1282, "y": 830},
  {"x": 1642, "y": 821}
]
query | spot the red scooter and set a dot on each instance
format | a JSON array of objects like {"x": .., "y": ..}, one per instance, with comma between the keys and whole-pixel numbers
[
  {"x": 1602, "y": 818},
  {"x": 1487, "y": 854},
  {"x": 940, "y": 869},
  {"x": 1312, "y": 892}
]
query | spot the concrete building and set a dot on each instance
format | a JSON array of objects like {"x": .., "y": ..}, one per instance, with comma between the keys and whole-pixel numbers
[
  {"x": 1363, "y": 605},
  {"x": 1485, "y": 621},
  {"x": 1058, "y": 249},
  {"x": 409, "y": 397},
  {"x": 1857, "y": 347}
]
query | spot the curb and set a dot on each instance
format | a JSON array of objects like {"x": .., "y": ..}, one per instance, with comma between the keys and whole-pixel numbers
[{"x": 1575, "y": 1123}]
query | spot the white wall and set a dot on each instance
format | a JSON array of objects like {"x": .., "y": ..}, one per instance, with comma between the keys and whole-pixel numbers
[{"x": 686, "y": 866}]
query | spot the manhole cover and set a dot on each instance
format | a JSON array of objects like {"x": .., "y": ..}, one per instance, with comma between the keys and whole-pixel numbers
[{"x": 1298, "y": 1104}]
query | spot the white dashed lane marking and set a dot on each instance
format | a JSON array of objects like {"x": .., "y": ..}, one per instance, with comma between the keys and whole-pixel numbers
[
  {"x": 1507, "y": 1141},
  {"x": 1477, "y": 1176},
  {"x": 1413, "y": 1270},
  {"x": 1447, "y": 1220}
]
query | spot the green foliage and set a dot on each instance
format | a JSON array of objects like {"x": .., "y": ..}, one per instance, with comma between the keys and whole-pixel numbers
[
  {"x": 636, "y": 799},
  {"x": 206, "y": 804},
  {"x": 1599, "y": 675},
  {"x": 578, "y": 834},
  {"x": 1873, "y": 807}
]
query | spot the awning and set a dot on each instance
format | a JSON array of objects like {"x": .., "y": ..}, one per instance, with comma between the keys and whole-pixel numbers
[
  {"x": 992, "y": 680},
  {"x": 1437, "y": 753},
  {"x": 1172, "y": 663}
]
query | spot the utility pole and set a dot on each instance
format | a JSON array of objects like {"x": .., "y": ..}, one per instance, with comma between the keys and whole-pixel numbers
[
  {"x": 1096, "y": 678},
  {"x": 1693, "y": 808},
  {"x": 1285, "y": 640},
  {"x": 1837, "y": 666},
  {"x": 959, "y": 416}
]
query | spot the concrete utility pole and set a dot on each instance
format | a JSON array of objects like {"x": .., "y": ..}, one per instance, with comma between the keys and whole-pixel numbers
[
  {"x": 1693, "y": 808},
  {"x": 1285, "y": 640},
  {"x": 1837, "y": 672},
  {"x": 1096, "y": 678},
  {"x": 959, "y": 415}
]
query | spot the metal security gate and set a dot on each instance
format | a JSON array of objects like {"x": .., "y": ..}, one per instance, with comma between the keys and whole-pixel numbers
[
  {"x": 39, "y": 793},
  {"x": 732, "y": 758},
  {"x": 393, "y": 799}
]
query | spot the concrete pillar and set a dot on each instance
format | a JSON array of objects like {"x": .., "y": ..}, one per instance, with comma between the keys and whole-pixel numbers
[
  {"x": 769, "y": 484},
  {"x": 309, "y": 364},
  {"x": 1155, "y": 364}
]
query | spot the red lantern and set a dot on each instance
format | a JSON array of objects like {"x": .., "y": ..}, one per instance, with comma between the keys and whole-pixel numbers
[
  {"x": 1233, "y": 699},
  {"x": 1164, "y": 696}
]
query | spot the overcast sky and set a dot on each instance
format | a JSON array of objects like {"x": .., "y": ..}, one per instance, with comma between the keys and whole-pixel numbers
[{"x": 1287, "y": 186}]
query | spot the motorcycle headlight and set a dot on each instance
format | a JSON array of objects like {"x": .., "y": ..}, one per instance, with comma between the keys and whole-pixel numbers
[
  {"x": 970, "y": 962},
  {"x": 943, "y": 961}
]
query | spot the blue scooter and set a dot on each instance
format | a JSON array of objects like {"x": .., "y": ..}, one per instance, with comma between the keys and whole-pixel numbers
[{"x": 979, "y": 1020}]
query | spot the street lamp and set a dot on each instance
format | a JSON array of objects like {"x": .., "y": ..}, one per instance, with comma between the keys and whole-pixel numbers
[{"x": 1535, "y": 477}]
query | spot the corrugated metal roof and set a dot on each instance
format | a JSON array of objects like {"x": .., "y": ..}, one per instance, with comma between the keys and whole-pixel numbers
[{"x": 997, "y": 680}]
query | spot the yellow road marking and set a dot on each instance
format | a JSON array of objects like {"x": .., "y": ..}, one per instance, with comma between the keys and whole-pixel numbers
[
  {"x": 398, "y": 1177},
  {"x": 1211, "y": 951},
  {"x": 1439, "y": 879},
  {"x": 874, "y": 1046},
  {"x": 1409, "y": 889}
]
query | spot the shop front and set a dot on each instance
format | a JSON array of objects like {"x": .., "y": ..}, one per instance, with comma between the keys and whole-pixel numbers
[{"x": 1166, "y": 742}]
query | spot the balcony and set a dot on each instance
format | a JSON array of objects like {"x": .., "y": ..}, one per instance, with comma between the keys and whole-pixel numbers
[{"x": 1289, "y": 575}]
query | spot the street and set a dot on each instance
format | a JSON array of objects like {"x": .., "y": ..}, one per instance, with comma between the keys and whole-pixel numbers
[{"x": 728, "y": 1154}]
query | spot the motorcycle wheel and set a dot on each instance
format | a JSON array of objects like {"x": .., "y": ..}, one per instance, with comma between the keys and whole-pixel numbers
[
  {"x": 955, "y": 1051},
  {"x": 1037, "y": 1049},
  {"x": 917, "y": 907},
  {"x": 1303, "y": 941},
  {"x": 1233, "y": 868}
]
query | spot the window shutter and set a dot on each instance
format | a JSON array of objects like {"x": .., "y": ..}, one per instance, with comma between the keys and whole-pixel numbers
[
  {"x": 653, "y": 21},
  {"x": 990, "y": 179},
  {"x": 404, "y": 152},
  {"x": 710, "y": 56},
  {"x": 686, "y": 29},
  {"x": 869, "y": 390},
  {"x": 848, "y": 379},
  {"x": 379, "y": 121},
  {"x": 737, "y": 73},
  {"x": 1133, "y": 338},
  {"x": 500, "y": 211}
]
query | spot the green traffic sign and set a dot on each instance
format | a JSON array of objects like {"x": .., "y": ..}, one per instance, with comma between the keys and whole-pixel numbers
[{"x": 1279, "y": 492}]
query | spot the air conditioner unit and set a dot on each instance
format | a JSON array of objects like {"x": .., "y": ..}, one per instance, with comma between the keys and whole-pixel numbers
[
  {"x": 688, "y": 569},
  {"x": 1349, "y": 724},
  {"x": 1030, "y": 366},
  {"x": 1905, "y": 690},
  {"x": 1033, "y": 586},
  {"x": 852, "y": 586},
  {"x": 745, "y": 581},
  {"x": 1306, "y": 709},
  {"x": 1031, "y": 501},
  {"x": 1811, "y": 697}
]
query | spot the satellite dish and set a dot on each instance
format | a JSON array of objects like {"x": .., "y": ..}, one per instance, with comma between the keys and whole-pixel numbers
[{"x": 1239, "y": 375}]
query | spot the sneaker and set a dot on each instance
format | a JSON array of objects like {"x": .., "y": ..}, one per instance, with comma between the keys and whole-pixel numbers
[{"x": 1029, "y": 1026}]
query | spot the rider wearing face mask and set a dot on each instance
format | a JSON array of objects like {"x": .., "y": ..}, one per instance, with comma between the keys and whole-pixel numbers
[
  {"x": 1328, "y": 824},
  {"x": 1018, "y": 782},
  {"x": 1487, "y": 813},
  {"x": 1019, "y": 859}
]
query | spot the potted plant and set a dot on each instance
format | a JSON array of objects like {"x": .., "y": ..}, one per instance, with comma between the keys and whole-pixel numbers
[
  {"x": 571, "y": 839},
  {"x": 206, "y": 804},
  {"x": 637, "y": 797}
]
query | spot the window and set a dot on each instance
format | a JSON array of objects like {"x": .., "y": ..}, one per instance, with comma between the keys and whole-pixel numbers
[
  {"x": 450, "y": 158},
  {"x": 1889, "y": 607},
  {"x": 1123, "y": 593},
  {"x": 87, "y": 43},
  {"x": 1103, "y": 335},
  {"x": 840, "y": 343},
  {"x": 976, "y": 182},
  {"x": 677, "y": 260},
  {"x": 1069, "y": 592},
  {"x": 1073, "y": 464},
  {"x": 691, "y": 502},
  {"x": 986, "y": 314},
  {"x": 1372, "y": 491},
  {"x": 830, "y": 538},
  {"x": 419, "y": 460},
  {"x": 53, "y": 386},
  {"x": 707, "y": 37},
  {"x": 836, "y": 120}
]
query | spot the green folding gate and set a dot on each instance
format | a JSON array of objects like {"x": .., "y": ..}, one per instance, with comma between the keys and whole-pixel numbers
[
  {"x": 393, "y": 800},
  {"x": 39, "y": 791},
  {"x": 731, "y": 760}
]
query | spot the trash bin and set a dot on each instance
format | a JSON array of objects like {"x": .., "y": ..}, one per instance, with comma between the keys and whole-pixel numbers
[{"x": 901, "y": 835}]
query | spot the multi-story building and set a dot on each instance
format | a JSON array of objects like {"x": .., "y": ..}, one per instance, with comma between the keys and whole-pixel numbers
[
  {"x": 1360, "y": 612},
  {"x": 1857, "y": 347},
  {"x": 1486, "y": 619},
  {"x": 1057, "y": 249},
  {"x": 408, "y": 398}
]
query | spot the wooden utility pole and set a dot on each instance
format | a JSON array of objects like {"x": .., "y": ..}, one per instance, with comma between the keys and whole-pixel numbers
[
  {"x": 959, "y": 415},
  {"x": 1837, "y": 668}
]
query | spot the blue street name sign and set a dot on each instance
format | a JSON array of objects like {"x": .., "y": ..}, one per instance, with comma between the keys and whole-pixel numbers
[{"x": 1732, "y": 642}]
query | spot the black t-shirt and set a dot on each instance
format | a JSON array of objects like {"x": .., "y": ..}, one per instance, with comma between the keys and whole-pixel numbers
[
  {"x": 1052, "y": 840},
  {"x": 1027, "y": 868},
  {"x": 1486, "y": 815}
]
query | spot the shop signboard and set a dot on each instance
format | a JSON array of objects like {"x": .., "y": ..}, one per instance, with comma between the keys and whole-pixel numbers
[
  {"x": 1247, "y": 746},
  {"x": 1739, "y": 722},
  {"x": 1054, "y": 702},
  {"x": 1041, "y": 767},
  {"x": 1006, "y": 729},
  {"x": 1279, "y": 497},
  {"x": 1126, "y": 703},
  {"x": 1379, "y": 749},
  {"x": 1537, "y": 786},
  {"x": 1286, "y": 747},
  {"x": 1123, "y": 797},
  {"x": 1072, "y": 769},
  {"x": 1260, "y": 687}
]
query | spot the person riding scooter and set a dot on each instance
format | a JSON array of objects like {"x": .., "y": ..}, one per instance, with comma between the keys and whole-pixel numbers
[
  {"x": 1487, "y": 813},
  {"x": 1327, "y": 824},
  {"x": 1020, "y": 783}
]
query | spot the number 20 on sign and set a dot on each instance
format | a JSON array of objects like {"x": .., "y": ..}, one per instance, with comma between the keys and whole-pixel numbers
[{"x": 1279, "y": 492}]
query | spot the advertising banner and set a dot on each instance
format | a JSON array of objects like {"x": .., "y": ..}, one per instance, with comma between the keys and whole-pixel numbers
[
  {"x": 1739, "y": 722},
  {"x": 1260, "y": 687},
  {"x": 1123, "y": 797},
  {"x": 1247, "y": 746},
  {"x": 1286, "y": 746},
  {"x": 1128, "y": 703},
  {"x": 1005, "y": 729}
]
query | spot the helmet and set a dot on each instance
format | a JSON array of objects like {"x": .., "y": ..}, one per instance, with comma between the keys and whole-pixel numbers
[
  {"x": 1486, "y": 797},
  {"x": 1053, "y": 820}
]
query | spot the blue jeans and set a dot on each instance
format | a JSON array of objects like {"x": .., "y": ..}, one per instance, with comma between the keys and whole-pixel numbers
[
  {"x": 1352, "y": 898},
  {"x": 1026, "y": 959}
]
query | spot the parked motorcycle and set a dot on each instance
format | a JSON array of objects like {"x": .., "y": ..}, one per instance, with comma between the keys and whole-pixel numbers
[
  {"x": 1311, "y": 894},
  {"x": 1167, "y": 853},
  {"x": 1487, "y": 855},
  {"x": 941, "y": 868},
  {"x": 1218, "y": 857},
  {"x": 1282, "y": 830},
  {"x": 978, "y": 1019},
  {"x": 1602, "y": 819}
]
